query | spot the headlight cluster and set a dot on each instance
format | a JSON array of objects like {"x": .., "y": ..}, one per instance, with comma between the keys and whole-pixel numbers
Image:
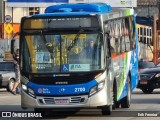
[
  {"x": 158, "y": 75},
  {"x": 28, "y": 90},
  {"x": 96, "y": 88}
]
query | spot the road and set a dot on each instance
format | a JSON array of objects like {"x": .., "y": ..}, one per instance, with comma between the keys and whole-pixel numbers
[{"x": 143, "y": 106}]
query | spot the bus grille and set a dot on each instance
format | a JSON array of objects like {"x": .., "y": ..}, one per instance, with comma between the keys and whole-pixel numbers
[{"x": 72, "y": 100}]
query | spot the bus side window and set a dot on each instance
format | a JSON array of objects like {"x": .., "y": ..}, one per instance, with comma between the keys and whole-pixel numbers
[
  {"x": 127, "y": 38},
  {"x": 109, "y": 48},
  {"x": 132, "y": 33},
  {"x": 117, "y": 42}
]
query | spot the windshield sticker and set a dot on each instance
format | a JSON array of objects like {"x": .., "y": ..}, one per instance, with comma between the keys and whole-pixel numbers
[
  {"x": 75, "y": 67},
  {"x": 79, "y": 67},
  {"x": 65, "y": 67},
  {"x": 43, "y": 57}
]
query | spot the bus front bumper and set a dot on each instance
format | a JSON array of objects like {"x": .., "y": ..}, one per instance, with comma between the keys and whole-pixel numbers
[{"x": 98, "y": 99}]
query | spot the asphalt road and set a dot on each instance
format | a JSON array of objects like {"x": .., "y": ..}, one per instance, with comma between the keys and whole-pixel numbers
[{"x": 143, "y": 106}]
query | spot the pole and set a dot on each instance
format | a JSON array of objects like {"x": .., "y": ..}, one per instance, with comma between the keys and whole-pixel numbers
[{"x": 155, "y": 40}]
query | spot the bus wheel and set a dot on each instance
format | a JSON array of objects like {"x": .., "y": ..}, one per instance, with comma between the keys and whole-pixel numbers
[
  {"x": 107, "y": 110},
  {"x": 126, "y": 101},
  {"x": 116, "y": 104}
]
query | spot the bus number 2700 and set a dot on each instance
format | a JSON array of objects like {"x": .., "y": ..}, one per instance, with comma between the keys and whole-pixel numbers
[{"x": 80, "y": 89}]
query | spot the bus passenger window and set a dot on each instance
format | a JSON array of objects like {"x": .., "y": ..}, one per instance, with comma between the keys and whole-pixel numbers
[
  {"x": 112, "y": 42},
  {"x": 126, "y": 32},
  {"x": 132, "y": 33},
  {"x": 123, "y": 43},
  {"x": 117, "y": 43}
]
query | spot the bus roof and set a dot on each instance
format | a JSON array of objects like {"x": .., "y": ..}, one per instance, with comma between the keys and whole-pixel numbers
[{"x": 81, "y": 9}]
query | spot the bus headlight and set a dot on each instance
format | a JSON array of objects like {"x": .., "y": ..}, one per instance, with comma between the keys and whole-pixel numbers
[
  {"x": 96, "y": 88},
  {"x": 28, "y": 90},
  {"x": 31, "y": 92},
  {"x": 24, "y": 87}
]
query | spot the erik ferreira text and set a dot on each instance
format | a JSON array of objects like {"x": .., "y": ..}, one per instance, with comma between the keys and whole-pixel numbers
[{"x": 147, "y": 114}]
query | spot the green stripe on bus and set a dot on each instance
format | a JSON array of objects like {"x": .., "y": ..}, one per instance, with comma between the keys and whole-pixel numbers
[{"x": 122, "y": 80}]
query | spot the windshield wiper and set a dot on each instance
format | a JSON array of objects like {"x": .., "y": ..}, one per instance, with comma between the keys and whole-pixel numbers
[
  {"x": 75, "y": 40},
  {"x": 49, "y": 48}
]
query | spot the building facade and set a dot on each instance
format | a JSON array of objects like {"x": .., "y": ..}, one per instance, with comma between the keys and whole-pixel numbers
[{"x": 14, "y": 14}]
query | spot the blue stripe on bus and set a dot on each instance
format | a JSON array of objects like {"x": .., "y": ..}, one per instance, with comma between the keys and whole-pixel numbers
[{"x": 62, "y": 89}]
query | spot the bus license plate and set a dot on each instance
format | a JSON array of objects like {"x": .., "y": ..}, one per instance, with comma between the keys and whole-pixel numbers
[{"x": 61, "y": 101}]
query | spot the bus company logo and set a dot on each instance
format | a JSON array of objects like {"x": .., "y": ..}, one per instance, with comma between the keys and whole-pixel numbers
[
  {"x": 60, "y": 75},
  {"x": 40, "y": 90},
  {"x": 54, "y": 75},
  {"x": 62, "y": 90}
]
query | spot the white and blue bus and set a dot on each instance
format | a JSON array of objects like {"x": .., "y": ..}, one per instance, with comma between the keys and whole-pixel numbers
[{"x": 60, "y": 69}]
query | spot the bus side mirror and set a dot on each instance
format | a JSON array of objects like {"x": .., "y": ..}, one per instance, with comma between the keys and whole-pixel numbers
[
  {"x": 12, "y": 46},
  {"x": 13, "y": 43}
]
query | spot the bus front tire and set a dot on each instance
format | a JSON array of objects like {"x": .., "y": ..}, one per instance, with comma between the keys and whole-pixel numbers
[
  {"x": 116, "y": 104},
  {"x": 126, "y": 101},
  {"x": 107, "y": 110}
]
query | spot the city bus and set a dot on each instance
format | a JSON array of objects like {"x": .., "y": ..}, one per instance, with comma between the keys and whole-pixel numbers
[{"x": 57, "y": 69}]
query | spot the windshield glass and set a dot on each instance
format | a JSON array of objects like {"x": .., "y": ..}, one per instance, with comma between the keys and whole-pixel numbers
[{"x": 43, "y": 53}]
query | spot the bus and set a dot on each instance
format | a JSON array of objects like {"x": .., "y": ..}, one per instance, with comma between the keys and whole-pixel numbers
[{"x": 57, "y": 69}]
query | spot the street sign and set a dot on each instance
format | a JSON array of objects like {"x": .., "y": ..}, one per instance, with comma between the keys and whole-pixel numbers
[
  {"x": 8, "y": 28},
  {"x": 8, "y": 18}
]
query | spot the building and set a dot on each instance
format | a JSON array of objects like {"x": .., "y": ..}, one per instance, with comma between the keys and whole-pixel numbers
[
  {"x": 12, "y": 16},
  {"x": 147, "y": 8}
]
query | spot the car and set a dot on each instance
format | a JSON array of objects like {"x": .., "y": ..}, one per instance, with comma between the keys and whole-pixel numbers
[
  {"x": 7, "y": 75},
  {"x": 149, "y": 79},
  {"x": 145, "y": 64}
]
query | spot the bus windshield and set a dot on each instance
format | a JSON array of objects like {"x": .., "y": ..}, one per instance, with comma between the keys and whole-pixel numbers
[{"x": 58, "y": 53}]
